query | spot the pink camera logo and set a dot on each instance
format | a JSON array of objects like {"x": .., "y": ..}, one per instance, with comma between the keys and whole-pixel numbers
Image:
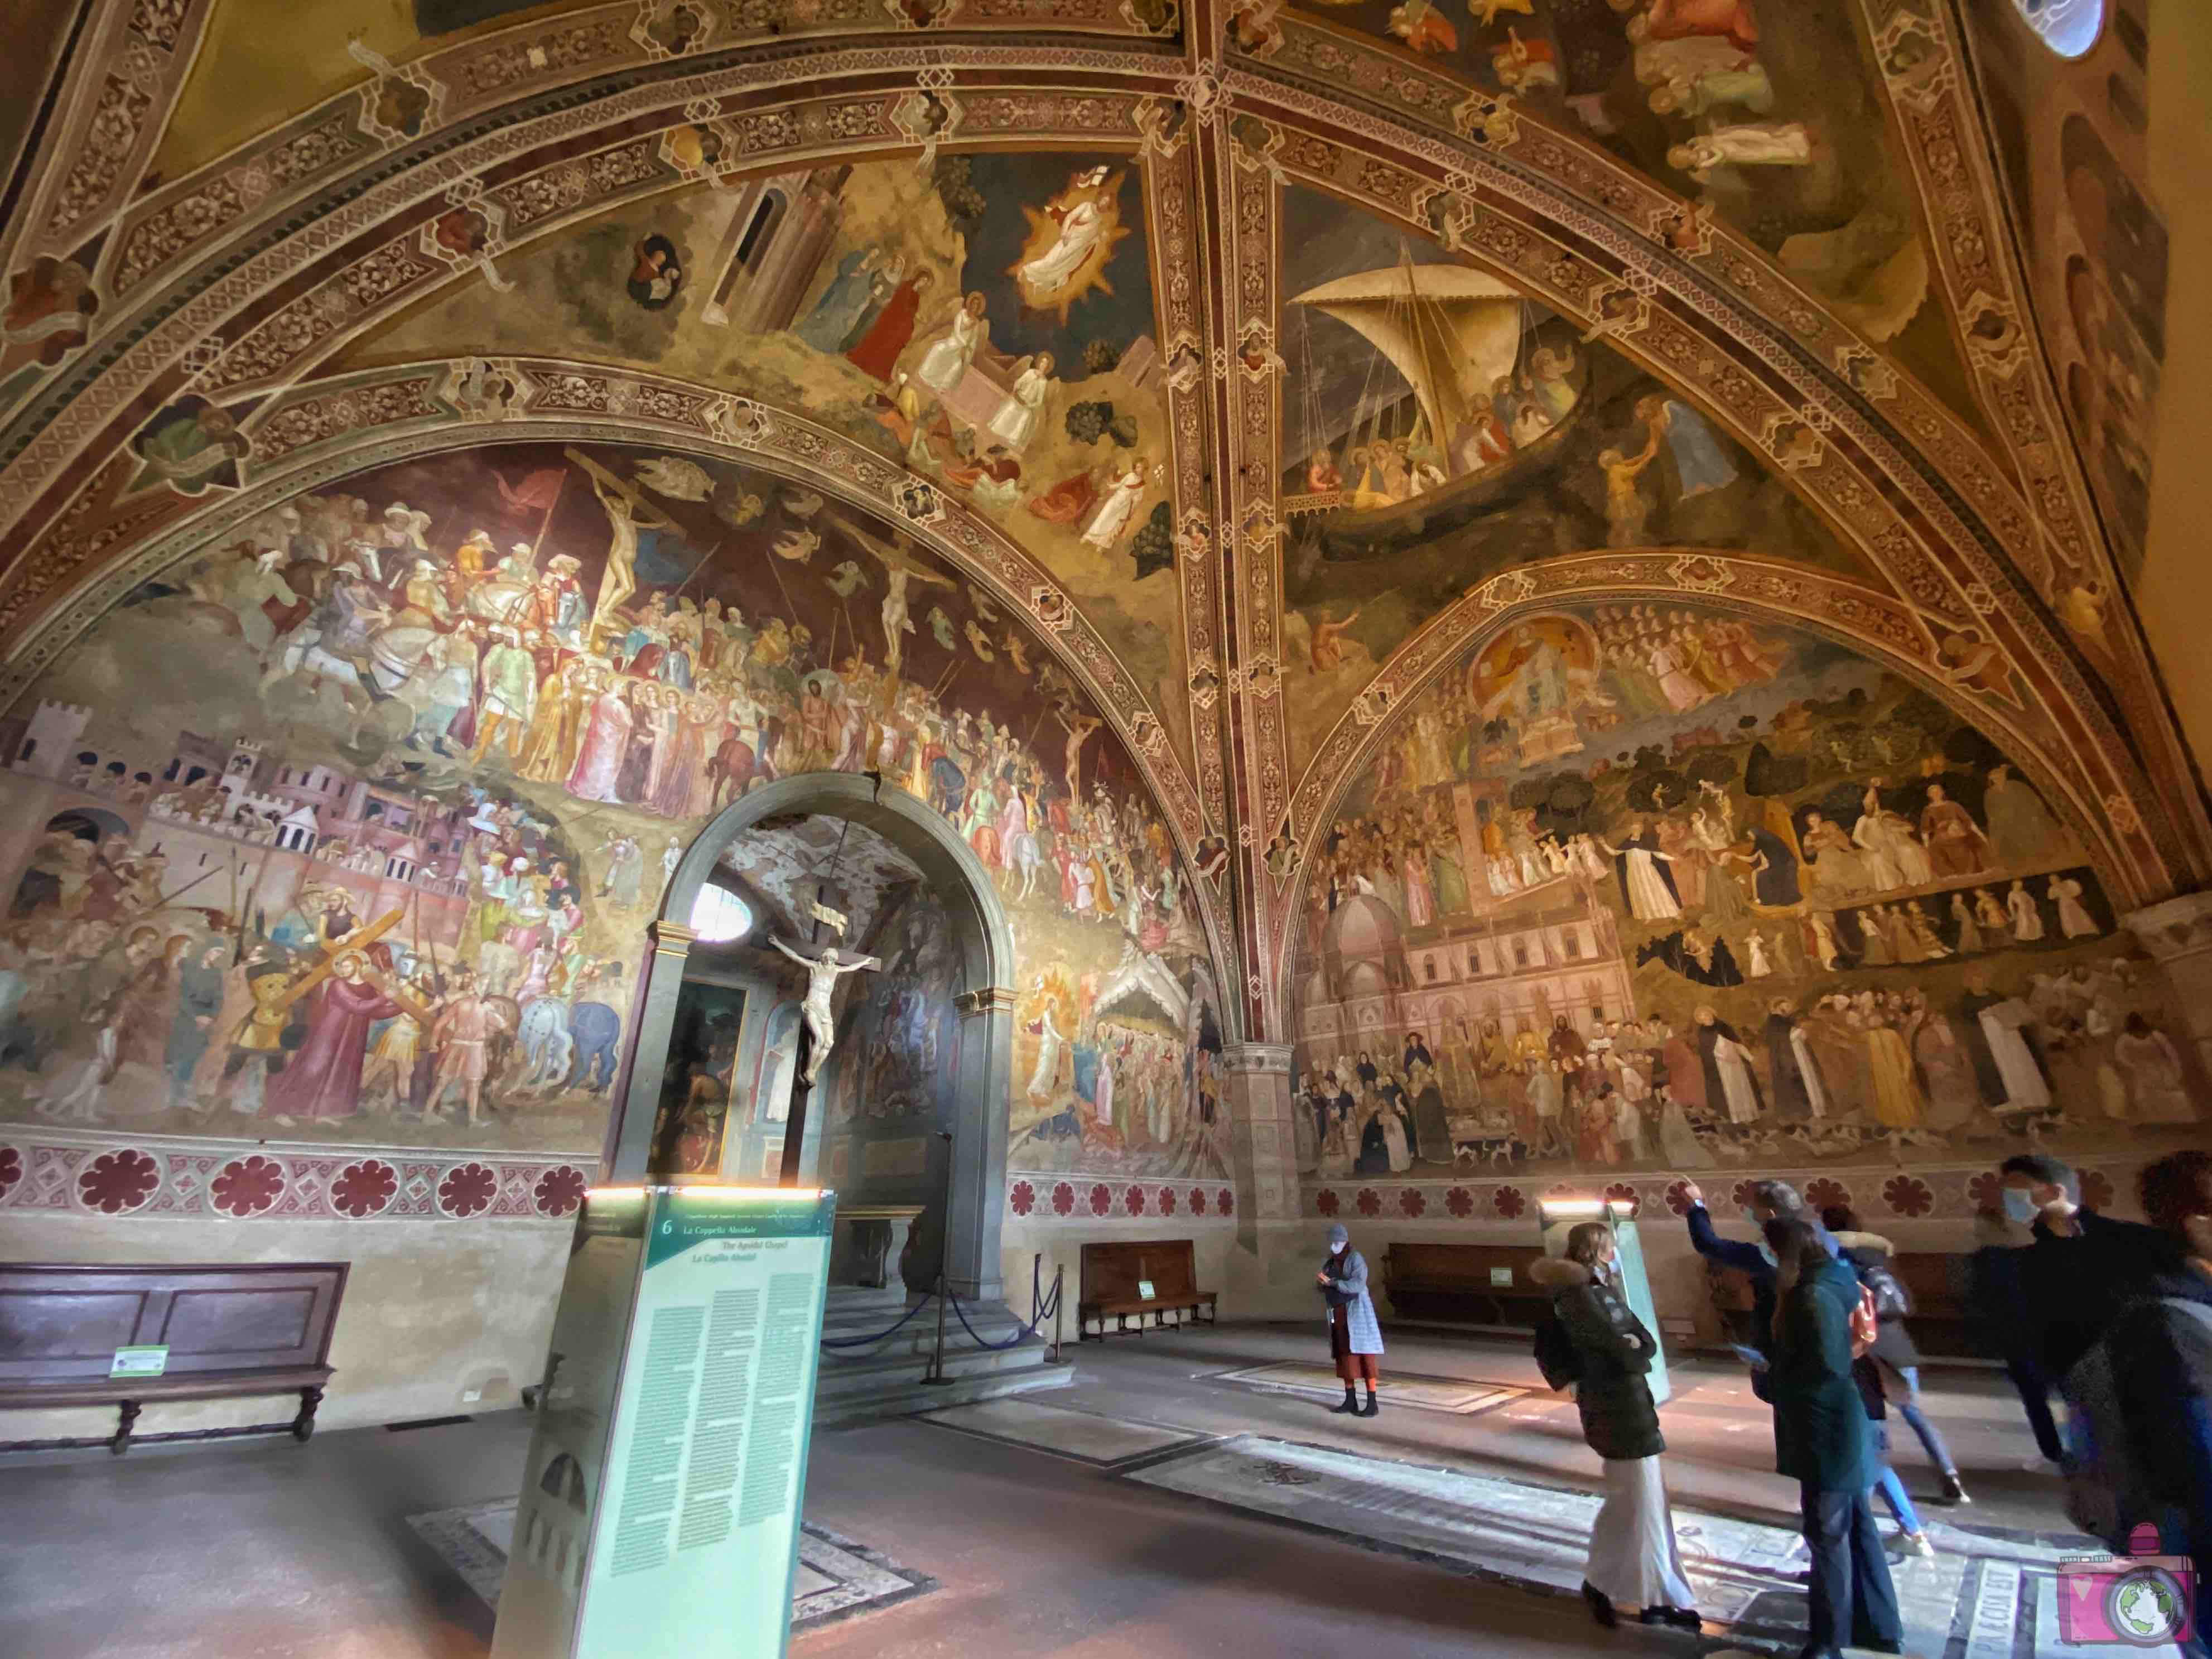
[{"x": 2141, "y": 1600}]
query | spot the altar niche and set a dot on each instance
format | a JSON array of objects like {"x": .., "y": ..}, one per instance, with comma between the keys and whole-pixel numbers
[{"x": 910, "y": 1103}]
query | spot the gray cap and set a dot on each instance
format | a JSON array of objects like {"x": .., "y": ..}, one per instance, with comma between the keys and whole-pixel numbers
[{"x": 1337, "y": 1238}]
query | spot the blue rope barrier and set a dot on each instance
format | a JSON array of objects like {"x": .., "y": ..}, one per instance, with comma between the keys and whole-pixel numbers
[
  {"x": 862, "y": 1341},
  {"x": 1042, "y": 1313}
]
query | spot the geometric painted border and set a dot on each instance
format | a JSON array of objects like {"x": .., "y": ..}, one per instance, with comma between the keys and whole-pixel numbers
[
  {"x": 1883, "y": 1194},
  {"x": 251, "y": 1181},
  {"x": 1042, "y": 1198}
]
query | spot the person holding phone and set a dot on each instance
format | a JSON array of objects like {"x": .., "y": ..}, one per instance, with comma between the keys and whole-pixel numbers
[{"x": 1355, "y": 1339}]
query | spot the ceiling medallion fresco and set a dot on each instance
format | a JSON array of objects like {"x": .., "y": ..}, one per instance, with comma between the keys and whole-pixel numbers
[{"x": 1257, "y": 405}]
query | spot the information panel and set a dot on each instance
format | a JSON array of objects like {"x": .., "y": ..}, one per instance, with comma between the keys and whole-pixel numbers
[{"x": 660, "y": 1508}]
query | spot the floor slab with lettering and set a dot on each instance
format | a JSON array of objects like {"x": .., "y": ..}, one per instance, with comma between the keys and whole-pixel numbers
[
  {"x": 1428, "y": 1394},
  {"x": 1083, "y": 1437},
  {"x": 835, "y": 1575}
]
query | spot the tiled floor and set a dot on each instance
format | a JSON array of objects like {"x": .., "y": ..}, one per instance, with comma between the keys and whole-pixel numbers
[{"x": 1137, "y": 1513}]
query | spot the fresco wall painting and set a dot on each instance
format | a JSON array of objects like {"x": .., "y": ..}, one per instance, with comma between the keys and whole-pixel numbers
[
  {"x": 351, "y": 827},
  {"x": 1439, "y": 429},
  {"x": 1654, "y": 886},
  {"x": 986, "y": 319}
]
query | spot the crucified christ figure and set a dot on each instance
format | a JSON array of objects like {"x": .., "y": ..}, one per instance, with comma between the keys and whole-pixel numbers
[
  {"x": 822, "y": 973},
  {"x": 1078, "y": 728}
]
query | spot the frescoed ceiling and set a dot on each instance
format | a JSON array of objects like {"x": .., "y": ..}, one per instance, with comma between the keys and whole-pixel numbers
[
  {"x": 789, "y": 863},
  {"x": 1269, "y": 356}
]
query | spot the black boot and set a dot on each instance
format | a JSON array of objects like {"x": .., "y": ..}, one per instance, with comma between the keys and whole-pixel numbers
[
  {"x": 1350, "y": 1406},
  {"x": 1601, "y": 1605},
  {"x": 1370, "y": 1407}
]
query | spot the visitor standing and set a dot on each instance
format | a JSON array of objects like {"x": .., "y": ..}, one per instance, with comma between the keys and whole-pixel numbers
[
  {"x": 2159, "y": 1346},
  {"x": 1998, "y": 1306},
  {"x": 1633, "y": 1559},
  {"x": 2074, "y": 1273},
  {"x": 1355, "y": 1340},
  {"x": 1895, "y": 1355},
  {"x": 1821, "y": 1440}
]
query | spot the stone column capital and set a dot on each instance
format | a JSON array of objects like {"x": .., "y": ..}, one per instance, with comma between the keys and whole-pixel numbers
[
  {"x": 671, "y": 937},
  {"x": 986, "y": 1000},
  {"x": 1256, "y": 1059},
  {"x": 2174, "y": 927}
]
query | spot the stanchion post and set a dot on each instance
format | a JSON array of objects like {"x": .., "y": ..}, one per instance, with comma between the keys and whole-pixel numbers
[
  {"x": 1059, "y": 1270},
  {"x": 936, "y": 1372}
]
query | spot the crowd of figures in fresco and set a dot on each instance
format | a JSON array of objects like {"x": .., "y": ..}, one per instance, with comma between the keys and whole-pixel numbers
[
  {"x": 477, "y": 736},
  {"x": 1779, "y": 903}
]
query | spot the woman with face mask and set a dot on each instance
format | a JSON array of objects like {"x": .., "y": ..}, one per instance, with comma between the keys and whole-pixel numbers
[
  {"x": 1355, "y": 1340},
  {"x": 1821, "y": 1440},
  {"x": 1632, "y": 1557}
]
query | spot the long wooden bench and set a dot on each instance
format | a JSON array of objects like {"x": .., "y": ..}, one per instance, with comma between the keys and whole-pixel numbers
[
  {"x": 232, "y": 1331},
  {"x": 1474, "y": 1284},
  {"x": 1114, "y": 1278}
]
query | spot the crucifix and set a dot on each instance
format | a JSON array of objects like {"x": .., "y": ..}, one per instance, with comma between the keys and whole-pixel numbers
[{"x": 825, "y": 964}]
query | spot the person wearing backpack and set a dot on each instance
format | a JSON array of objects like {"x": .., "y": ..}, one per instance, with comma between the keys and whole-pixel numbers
[
  {"x": 1355, "y": 1339},
  {"x": 1821, "y": 1440},
  {"x": 2159, "y": 1352},
  {"x": 1633, "y": 1561},
  {"x": 1895, "y": 1355}
]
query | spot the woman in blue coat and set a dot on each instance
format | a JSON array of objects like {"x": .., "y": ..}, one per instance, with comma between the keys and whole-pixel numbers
[
  {"x": 1355, "y": 1340},
  {"x": 1821, "y": 1440}
]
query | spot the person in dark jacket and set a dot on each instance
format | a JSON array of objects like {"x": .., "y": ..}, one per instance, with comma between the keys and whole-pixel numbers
[
  {"x": 1821, "y": 1440},
  {"x": 1997, "y": 1305},
  {"x": 2075, "y": 1274},
  {"x": 1895, "y": 1356},
  {"x": 2160, "y": 1346},
  {"x": 1633, "y": 1559},
  {"x": 1770, "y": 1201}
]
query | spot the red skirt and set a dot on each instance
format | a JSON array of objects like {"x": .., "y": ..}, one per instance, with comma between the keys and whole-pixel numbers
[{"x": 1350, "y": 1367}]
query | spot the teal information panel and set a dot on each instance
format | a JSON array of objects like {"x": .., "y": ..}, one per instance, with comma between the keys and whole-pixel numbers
[{"x": 660, "y": 1508}]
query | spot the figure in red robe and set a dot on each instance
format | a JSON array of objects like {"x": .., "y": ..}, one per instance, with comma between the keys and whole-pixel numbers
[
  {"x": 322, "y": 1081},
  {"x": 879, "y": 349},
  {"x": 1733, "y": 19}
]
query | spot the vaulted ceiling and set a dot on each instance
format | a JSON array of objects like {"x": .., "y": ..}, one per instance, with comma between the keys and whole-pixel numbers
[{"x": 1272, "y": 353}]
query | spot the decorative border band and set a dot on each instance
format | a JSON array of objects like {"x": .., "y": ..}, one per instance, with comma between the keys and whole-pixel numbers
[
  {"x": 249, "y": 1181},
  {"x": 1942, "y": 1192},
  {"x": 1039, "y": 1197}
]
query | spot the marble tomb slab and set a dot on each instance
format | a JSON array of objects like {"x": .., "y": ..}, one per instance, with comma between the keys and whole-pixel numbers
[
  {"x": 835, "y": 1575},
  {"x": 1428, "y": 1394},
  {"x": 1083, "y": 1437}
]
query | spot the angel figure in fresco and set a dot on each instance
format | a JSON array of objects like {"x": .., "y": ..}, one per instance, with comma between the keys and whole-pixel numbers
[
  {"x": 1071, "y": 242},
  {"x": 822, "y": 973},
  {"x": 1423, "y": 27},
  {"x": 1756, "y": 144},
  {"x": 1626, "y": 507}
]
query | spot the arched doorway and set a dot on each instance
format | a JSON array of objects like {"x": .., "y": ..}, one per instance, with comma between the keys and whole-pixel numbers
[{"x": 982, "y": 968}]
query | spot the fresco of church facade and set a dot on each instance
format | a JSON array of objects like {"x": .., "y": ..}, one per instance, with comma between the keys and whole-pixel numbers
[
  {"x": 350, "y": 827},
  {"x": 1655, "y": 886},
  {"x": 1439, "y": 429},
  {"x": 986, "y": 320}
]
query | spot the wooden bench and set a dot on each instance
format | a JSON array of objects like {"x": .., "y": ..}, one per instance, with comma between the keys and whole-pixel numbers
[
  {"x": 232, "y": 1331},
  {"x": 1476, "y": 1284},
  {"x": 1113, "y": 1278}
]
